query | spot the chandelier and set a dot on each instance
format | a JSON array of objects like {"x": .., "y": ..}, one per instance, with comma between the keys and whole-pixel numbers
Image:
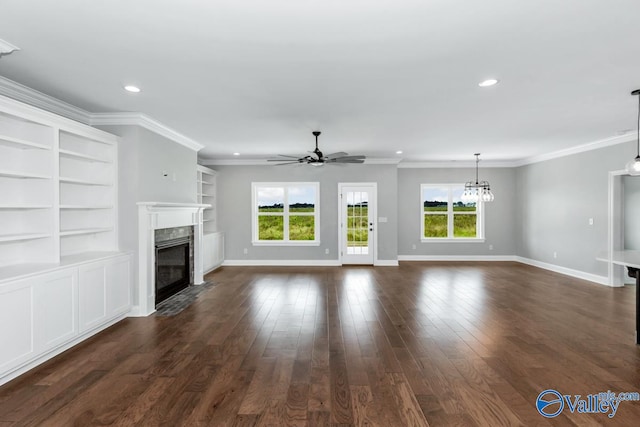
[
  {"x": 633, "y": 167},
  {"x": 478, "y": 190}
]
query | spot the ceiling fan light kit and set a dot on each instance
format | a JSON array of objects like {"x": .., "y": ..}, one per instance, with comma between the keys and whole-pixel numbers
[
  {"x": 318, "y": 159},
  {"x": 478, "y": 190},
  {"x": 633, "y": 167}
]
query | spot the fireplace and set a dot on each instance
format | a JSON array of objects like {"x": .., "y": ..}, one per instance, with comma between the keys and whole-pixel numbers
[
  {"x": 174, "y": 261},
  {"x": 155, "y": 216}
]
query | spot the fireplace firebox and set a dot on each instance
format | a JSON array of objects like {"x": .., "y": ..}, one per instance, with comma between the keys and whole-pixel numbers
[{"x": 174, "y": 254}]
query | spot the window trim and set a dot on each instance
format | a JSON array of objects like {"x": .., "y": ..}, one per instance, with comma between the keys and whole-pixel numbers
[
  {"x": 480, "y": 237},
  {"x": 285, "y": 214}
]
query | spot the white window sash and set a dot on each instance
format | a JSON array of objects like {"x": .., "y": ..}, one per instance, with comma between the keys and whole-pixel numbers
[
  {"x": 450, "y": 213},
  {"x": 285, "y": 214}
]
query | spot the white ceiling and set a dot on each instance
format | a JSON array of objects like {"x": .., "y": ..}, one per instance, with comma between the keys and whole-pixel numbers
[{"x": 375, "y": 76}]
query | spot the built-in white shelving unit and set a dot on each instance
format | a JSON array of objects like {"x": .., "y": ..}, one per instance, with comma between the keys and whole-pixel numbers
[
  {"x": 62, "y": 277},
  {"x": 213, "y": 238},
  {"x": 207, "y": 195},
  {"x": 58, "y": 186}
]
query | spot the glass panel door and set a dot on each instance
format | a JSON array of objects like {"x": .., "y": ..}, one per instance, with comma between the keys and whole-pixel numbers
[{"x": 357, "y": 224}]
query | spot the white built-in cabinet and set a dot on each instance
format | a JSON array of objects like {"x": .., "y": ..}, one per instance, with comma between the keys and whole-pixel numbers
[
  {"x": 62, "y": 277},
  {"x": 212, "y": 239}
]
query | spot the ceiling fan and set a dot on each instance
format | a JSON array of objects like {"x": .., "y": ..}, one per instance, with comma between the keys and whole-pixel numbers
[{"x": 318, "y": 159}]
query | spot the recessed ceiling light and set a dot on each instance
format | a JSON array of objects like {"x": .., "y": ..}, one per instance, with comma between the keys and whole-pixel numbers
[
  {"x": 132, "y": 89},
  {"x": 399, "y": 152},
  {"x": 236, "y": 154},
  {"x": 488, "y": 82}
]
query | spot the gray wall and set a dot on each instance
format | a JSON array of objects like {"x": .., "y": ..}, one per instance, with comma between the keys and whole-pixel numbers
[
  {"x": 234, "y": 208},
  {"x": 500, "y": 220},
  {"x": 557, "y": 197},
  {"x": 631, "y": 186},
  {"x": 142, "y": 157},
  {"x": 157, "y": 155}
]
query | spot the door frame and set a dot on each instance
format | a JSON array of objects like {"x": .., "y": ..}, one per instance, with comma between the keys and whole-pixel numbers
[{"x": 373, "y": 212}]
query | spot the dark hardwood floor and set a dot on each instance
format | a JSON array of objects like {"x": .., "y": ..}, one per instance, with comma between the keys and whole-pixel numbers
[{"x": 439, "y": 344}]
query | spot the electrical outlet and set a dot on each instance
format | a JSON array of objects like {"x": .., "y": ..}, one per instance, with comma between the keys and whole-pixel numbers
[
  {"x": 490, "y": 247},
  {"x": 555, "y": 254},
  {"x": 413, "y": 247},
  {"x": 590, "y": 221},
  {"x": 326, "y": 251},
  {"x": 246, "y": 251}
]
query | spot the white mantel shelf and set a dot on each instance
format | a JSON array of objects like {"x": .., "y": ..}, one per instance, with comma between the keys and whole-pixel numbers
[{"x": 158, "y": 215}]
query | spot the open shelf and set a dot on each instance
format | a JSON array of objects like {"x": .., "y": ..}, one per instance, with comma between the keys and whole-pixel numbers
[
  {"x": 207, "y": 181},
  {"x": 76, "y": 181},
  {"x": 24, "y": 207},
  {"x": 22, "y": 236},
  {"x": 79, "y": 231},
  {"x": 76, "y": 155},
  {"x": 84, "y": 207},
  {"x": 9, "y": 141},
  {"x": 22, "y": 175}
]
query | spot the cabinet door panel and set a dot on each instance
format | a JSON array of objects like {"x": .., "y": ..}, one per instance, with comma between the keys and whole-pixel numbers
[
  {"x": 208, "y": 255},
  {"x": 55, "y": 302},
  {"x": 16, "y": 324},
  {"x": 118, "y": 287},
  {"x": 93, "y": 302}
]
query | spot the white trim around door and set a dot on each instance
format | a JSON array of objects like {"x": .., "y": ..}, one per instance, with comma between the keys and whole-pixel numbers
[{"x": 357, "y": 196}]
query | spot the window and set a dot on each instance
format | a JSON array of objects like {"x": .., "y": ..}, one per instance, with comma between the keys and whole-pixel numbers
[
  {"x": 445, "y": 217},
  {"x": 286, "y": 213}
]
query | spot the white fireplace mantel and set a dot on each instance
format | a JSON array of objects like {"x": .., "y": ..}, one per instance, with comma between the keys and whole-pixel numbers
[{"x": 154, "y": 216}]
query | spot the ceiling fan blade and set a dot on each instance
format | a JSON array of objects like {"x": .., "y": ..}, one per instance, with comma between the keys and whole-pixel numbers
[
  {"x": 335, "y": 155},
  {"x": 284, "y": 155},
  {"x": 316, "y": 158},
  {"x": 349, "y": 159},
  {"x": 288, "y": 163}
]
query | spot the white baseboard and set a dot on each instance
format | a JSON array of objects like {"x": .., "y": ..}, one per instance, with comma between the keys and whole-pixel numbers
[
  {"x": 385, "y": 263},
  {"x": 602, "y": 280},
  {"x": 283, "y": 262},
  {"x": 136, "y": 312},
  {"x": 457, "y": 258}
]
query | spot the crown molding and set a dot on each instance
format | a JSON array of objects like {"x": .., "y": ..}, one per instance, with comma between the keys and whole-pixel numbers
[
  {"x": 142, "y": 120},
  {"x": 456, "y": 164},
  {"x": 32, "y": 97},
  {"x": 264, "y": 162},
  {"x": 234, "y": 162},
  {"x": 595, "y": 145}
]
